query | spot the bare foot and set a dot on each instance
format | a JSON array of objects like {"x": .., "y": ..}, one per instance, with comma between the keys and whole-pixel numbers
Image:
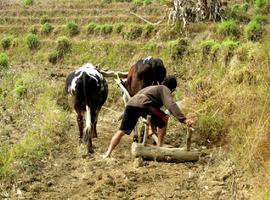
[{"x": 106, "y": 155}]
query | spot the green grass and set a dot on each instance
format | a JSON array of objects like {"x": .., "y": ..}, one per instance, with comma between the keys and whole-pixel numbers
[
  {"x": 4, "y": 61},
  {"x": 32, "y": 41},
  {"x": 253, "y": 31},
  {"x": 6, "y": 42},
  {"x": 40, "y": 136},
  {"x": 72, "y": 28},
  {"x": 28, "y": 2},
  {"x": 228, "y": 28},
  {"x": 46, "y": 28}
]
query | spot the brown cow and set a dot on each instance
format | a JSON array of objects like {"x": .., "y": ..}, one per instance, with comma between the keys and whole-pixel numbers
[{"x": 146, "y": 72}]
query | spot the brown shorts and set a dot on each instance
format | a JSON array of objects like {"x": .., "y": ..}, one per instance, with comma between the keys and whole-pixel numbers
[{"x": 132, "y": 114}]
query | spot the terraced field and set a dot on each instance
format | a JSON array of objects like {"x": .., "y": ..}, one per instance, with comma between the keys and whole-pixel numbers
[{"x": 34, "y": 107}]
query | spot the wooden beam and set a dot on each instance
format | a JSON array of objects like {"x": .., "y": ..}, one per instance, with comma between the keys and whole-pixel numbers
[
  {"x": 145, "y": 20},
  {"x": 163, "y": 154},
  {"x": 113, "y": 74}
]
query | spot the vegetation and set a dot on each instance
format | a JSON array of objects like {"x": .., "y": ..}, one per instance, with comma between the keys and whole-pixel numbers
[
  {"x": 32, "y": 41},
  {"x": 253, "y": 30},
  {"x": 228, "y": 28},
  {"x": 63, "y": 45},
  {"x": 3, "y": 61},
  {"x": 46, "y": 28},
  {"x": 72, "y": 28},
  {"x": 137, "y": 2},
  {"x": 6, "y": 42},
  {"x": 37, "y": 141},
  {"x": 28, "y": 2},
  {"x": 44, "y": 19}
]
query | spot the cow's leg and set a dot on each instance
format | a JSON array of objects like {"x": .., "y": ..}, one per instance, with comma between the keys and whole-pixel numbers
[
  {"x": 88, "y": 130},
  {"x": 80, "y": 124},
  {"x": 94, "y": 119}
]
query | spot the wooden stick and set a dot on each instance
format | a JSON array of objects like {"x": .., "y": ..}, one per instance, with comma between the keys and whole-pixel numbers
[
  {"x": 188, "y": 138},
  {"x": 126, "y": 95},
  {"x": 113, "y": 74},
  {"x": 146, "y": 128},
  {"x": 154, "y": 24}
]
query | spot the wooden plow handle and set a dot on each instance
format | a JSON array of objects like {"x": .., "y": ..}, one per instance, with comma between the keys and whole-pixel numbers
[
  {"x": 146, "y": 129},
  {"x": 188, "y": 137}
]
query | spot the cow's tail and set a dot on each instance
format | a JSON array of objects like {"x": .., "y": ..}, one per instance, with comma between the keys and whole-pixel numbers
[{"x": 87, "y": 129}]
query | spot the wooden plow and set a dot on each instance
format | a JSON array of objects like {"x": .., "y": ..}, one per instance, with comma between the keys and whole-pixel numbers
[{"x": 163, "y": 153}]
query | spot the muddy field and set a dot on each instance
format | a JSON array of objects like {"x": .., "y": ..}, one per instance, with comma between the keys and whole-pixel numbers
[{"x": 66, "y": 174}]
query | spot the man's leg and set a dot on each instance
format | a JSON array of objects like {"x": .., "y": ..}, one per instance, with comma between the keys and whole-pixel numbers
[
  {"x": 161, "y": 135},
  {"x": 114, "y": 142}
]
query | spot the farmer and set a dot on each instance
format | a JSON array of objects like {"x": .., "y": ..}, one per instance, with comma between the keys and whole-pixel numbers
[{"x": 148, "y": 101}]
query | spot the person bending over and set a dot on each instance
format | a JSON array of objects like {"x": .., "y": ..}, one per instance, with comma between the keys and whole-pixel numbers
[{"x": 148, "y": 101}]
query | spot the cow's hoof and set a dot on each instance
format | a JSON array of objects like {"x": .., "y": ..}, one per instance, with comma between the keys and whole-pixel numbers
[
  {"x": 90, "y": 151},
  {"x": 135, "y": 138},
  {"x": 86, "y": 155}
]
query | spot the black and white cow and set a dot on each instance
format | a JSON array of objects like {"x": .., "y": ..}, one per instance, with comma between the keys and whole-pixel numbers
[{"x": 88, "y": 91}]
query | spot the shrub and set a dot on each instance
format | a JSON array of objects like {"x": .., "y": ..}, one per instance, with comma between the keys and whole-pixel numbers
[
  {"x": 72, "y": 28},
  {"x": 3, "y": 61},
  {"x": 260, "y": 3},
  {"x": 63, "y": 46},
  {"x": 53, "y": 57},
  {"x": 228, "y": 47},
  {"x": 118, "y": 28},
  {"x": 44, "y": 19},
  {"x": 28, "y": 2},
  {"x": 98, "y": 29},
  {"x": 151, "y": 46},
  {"x": 32, "y": 41},
  {"x": 6, "y": 42},
  {"x": 137, "y": 2},
  {"x": 228, "y": 28},
  {"x": 90, "y": 28},
  {"x": 253, "y": 31},
  {"x": 20, "y": 90},
  {"x": 210, "y": 127},
  {"x": 147, "y": 2},
  {"x": 260, "y": 19},
  {"x": 229, "y": 44},
  {"x": 209, "y": 45},
  {"x": 133, "y": 32},
  {"x": 166, "y": 2},
  {"x": 34, "y": 29},
  {"x": 239, "y": 11},
  {"x": 46, "y": 28},
  {"x": 106, "y": 1},
  {"x": 178, "y": 48},
  {"x": 106, "y": 29},
  {"x": 148, "y": 29},
  {"x": 15, "y": 42}
]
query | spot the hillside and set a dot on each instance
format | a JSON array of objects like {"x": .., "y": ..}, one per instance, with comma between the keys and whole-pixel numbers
[{"x": 223, "y": 76}]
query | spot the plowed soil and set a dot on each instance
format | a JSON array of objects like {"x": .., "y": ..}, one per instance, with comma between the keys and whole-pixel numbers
[{"x": 67, "y": 174}]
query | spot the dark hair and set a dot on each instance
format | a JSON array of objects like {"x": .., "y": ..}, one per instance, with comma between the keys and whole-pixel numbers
[{"x": 170, "y": 82}]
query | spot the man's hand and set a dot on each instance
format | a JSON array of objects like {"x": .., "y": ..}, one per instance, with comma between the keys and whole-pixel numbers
[{"x": 189, "y": 122}]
